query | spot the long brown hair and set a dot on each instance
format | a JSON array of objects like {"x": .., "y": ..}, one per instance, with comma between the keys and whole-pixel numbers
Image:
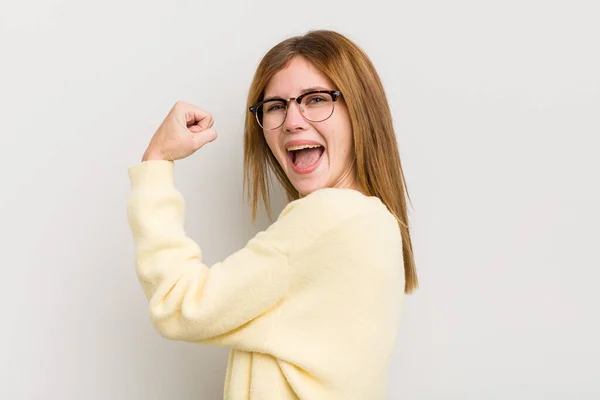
[{"x": 376, "y": 157}]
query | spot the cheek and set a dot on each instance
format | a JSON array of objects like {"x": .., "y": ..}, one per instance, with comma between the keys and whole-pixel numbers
[
  {"x": 348, "y": 135},
  {"x": 341, "y": 126},
  {"x": 270, "y": 139},
  {"x": 341, "y": 137},
  {"x": 273, "y": 144}
]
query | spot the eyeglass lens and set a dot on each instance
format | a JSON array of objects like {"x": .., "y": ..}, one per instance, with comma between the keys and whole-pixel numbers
[{"x": 315, "y": 107}]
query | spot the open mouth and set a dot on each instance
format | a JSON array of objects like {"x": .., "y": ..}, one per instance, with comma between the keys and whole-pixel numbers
[{"x": 306, "y": 159}]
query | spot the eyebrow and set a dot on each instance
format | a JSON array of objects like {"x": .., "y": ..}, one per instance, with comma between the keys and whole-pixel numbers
[{"x": 309, "y": 89}]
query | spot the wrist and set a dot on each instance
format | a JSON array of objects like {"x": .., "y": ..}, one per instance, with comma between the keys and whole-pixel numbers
[{"x": 151, "y": 155}]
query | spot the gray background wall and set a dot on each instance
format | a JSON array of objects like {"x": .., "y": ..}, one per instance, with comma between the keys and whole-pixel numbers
[{"x": 496, "y": 106}]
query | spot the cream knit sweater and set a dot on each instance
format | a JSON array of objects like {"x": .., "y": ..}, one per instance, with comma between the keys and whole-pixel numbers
[{"x": 310, "y": 307}]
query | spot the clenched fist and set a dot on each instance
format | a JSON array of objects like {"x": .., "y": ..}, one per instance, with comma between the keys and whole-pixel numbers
[{"x": 185, "y": 129}]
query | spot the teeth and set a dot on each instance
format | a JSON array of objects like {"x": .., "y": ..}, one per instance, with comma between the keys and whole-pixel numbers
[{"x": 304, "y": 146}]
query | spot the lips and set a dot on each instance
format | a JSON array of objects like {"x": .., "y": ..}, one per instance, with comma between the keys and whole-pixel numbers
[{"x": 294, "y": 143}]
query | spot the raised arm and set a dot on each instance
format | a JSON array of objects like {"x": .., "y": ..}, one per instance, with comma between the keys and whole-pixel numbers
[{"x": 188, "y": 300}]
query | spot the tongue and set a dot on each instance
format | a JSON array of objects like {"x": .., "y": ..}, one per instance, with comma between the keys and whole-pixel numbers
[{"x": 307, "y": 157}]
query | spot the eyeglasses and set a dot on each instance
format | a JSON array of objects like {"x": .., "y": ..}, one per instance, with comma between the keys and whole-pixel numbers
[{"x": 315, "y": 106}]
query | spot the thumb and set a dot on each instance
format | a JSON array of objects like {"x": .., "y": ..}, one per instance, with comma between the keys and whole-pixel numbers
[{"x": 203, "y": 137}]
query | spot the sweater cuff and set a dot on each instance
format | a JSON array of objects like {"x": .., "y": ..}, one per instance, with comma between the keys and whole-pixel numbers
[{"x": 151, "y": 174}]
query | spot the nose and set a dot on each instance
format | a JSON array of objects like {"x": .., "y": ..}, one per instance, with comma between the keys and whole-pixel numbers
[{"x": 294, "y": 120}]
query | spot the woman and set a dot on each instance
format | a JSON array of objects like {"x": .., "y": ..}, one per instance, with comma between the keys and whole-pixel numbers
[{"x": 310, "y": 307}]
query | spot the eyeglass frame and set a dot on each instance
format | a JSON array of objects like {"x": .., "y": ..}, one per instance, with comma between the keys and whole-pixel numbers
[{"x": 335, "y": 94}]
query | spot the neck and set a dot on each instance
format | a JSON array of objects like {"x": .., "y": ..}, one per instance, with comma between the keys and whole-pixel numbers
[{"x": 347, "y": 181}]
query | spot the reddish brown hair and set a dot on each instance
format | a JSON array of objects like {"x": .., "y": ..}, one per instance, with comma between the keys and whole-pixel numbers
[{"x": 376, "y": 157}]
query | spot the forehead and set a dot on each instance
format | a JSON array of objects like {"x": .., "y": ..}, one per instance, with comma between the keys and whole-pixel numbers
[{"x": 297, "y": 76}]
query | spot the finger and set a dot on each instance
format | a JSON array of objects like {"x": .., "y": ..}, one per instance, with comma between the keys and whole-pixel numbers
[
  {"x": 202, "y": 125},
  {"x": 195, "y": 116},
  {"x": 195, "y": 128},
  {"x": 203, "y": 137}
]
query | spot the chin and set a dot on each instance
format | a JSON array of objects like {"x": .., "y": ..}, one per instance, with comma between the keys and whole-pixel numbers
[{"x": 306, "y": 188}]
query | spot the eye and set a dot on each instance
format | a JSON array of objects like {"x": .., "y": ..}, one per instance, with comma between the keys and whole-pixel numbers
[
  {"x": 316, "y": 100},
  {"x": 275, "y": 107}
]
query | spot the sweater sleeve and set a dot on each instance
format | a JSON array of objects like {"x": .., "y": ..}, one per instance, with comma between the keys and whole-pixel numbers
[
  {"x": 316, "y": 241},
  {"x": 188, "y": 300}
]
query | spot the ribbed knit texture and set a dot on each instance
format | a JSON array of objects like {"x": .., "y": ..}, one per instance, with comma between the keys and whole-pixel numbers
[{"x": 310, "y": 307}]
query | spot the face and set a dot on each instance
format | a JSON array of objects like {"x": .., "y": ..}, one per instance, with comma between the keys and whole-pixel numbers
[{"x": 326, "y": 166}]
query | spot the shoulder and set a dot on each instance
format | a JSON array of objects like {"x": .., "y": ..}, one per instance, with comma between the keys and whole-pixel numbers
[
  {"x": 333, "y": 204},
  {"x": 329, "y": 210},
  {"x": 343, "y": 231}
]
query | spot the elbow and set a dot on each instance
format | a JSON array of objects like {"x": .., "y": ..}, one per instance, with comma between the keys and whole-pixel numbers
[
  {"x": 168, "y": 331},
  {"x": 175, "y": 326}
]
